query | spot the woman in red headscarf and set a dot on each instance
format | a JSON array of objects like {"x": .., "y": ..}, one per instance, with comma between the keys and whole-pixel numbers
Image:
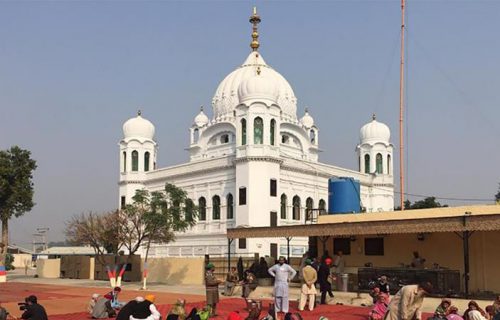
[{"x": 323, "y": 276}]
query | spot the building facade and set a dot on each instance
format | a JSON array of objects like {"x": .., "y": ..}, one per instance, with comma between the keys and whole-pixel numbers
[{"x": 254, "y": 163}]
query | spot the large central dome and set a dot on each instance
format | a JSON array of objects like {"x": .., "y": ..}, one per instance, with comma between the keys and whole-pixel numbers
[{"x": 226, "y": 97}]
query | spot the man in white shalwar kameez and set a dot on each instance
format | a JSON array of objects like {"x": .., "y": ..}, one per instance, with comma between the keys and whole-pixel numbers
[
  {"x": 407, "y": 303},
  {"x": 282, "y": 274}
]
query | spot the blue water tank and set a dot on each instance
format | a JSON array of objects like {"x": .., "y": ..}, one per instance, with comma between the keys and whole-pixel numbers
[{"x": 343, "y": 195}]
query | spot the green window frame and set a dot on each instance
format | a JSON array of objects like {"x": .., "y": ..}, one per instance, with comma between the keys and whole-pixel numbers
[
  {"x": 258, "y": 131},
  {"x": 367, "y": 163},
  {"x": 135, "y": 160}
]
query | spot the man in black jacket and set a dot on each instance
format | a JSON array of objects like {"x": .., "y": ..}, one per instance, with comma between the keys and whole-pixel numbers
[{"x": 34, "y": 311}]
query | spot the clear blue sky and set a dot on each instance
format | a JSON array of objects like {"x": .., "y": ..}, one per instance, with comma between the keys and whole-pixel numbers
[{"x": 71, "y": 72}]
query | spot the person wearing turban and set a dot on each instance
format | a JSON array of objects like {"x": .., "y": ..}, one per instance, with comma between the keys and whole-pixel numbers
[{"x": 212, "y": 287}]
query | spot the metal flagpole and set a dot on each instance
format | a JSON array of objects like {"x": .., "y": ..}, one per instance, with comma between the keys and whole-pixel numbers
[{"x": 401, "y": 108}]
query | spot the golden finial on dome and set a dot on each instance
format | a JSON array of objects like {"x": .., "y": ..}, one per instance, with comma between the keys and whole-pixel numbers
[{"x": 255, "y": 20}]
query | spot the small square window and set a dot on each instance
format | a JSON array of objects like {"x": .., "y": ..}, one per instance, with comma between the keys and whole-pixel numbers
[
  {"x": 273, "y": 185},
  {"x": 243, "y": 196},
  {"x": 374, "y": 246},
  {"x": 242, "y": 243},
  {"x": 342, "y": 244}
]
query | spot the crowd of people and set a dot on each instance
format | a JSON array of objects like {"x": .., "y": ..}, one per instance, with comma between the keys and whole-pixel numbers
[{"x": 447, "y": 311}]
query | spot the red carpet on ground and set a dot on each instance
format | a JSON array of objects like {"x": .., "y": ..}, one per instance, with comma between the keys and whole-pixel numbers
[{"x": 226, "y": 306}]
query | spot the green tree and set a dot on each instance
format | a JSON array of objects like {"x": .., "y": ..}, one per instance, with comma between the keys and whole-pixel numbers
[
  {"x": 16, "y": 189},
  {"x": 429, "y": 202},
  {"x": 9, "y": 261},
  {"x": 155, "y": 217}
]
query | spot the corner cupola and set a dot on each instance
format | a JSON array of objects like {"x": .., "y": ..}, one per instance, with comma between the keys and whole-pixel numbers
[{"x": 138, "y": 127}]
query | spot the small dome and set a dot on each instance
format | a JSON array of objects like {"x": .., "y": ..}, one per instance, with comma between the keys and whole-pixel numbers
[
  {"x": 201, "y": 119},
  {"x": 138, "y": 127},
  {"x": 375, "y": 131},
  {"x": 307, "y": 121},
  {"x": 258, "y": 87}
]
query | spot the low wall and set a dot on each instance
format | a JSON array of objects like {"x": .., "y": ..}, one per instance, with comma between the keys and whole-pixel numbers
[
  {"x": 48, "y": 268},
  {"x": 21, "y": 260},
  {"x": 175, "y": 271},
  {"x": 77, "y": 267}
]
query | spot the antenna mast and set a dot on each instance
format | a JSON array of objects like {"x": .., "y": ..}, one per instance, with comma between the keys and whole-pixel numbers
[{"x": 401, "y": 109}]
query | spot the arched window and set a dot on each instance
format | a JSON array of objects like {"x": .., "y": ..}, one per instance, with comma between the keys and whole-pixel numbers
[
  {"x": 283, "y": 206},
  {"x": 243, "y": 131},
  {"x": 367, "y": 163},
  {"x": 296, "y": 208},
  {"x": 224, "y": 139},
  {"x": 258, "y": 130},
  {"x": 285, "y": 139},
  {"x": 312, "y": 136},
  {"x": 135, "y": 161},
  {"x": 322, "y": 206},
  {"x": 189, "y": 209},
  {"x": 146, "y": 161},
  {"x": 124, "y": 161},
  {"x": 379, "y": 163},
  {"x": 388, "y": 164},
  {"x": 309, "y": 207},
  {"x": 272, "y": 130},
  {"x": 216, "y": 208},
  {"x": 196, "y": 135},
  {"x": 230, "y": 206},
  {"x": 202, "y": 206}
]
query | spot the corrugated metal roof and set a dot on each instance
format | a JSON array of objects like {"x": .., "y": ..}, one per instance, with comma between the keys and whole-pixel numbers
[{"x": 68, "y": 251}]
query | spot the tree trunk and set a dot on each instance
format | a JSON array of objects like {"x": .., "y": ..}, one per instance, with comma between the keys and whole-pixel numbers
[{"x": 5, "y": 241}]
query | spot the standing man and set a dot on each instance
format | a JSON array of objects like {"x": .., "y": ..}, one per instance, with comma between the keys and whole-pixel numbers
[
  {"x": 232, "y": 280},
  {"x": 282, "y": 273},
  {"x": 339, "y": 264},
  {"x": 417, "y": 262},
  {"x": 324, "y": 279},
  {"x": 407, "y": 303},
  {"x": 212, "y": 287},
  {"x": 308, "y": 290}
]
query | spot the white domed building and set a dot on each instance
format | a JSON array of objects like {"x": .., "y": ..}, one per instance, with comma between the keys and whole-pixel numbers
[{"x": 254, "y": 163}]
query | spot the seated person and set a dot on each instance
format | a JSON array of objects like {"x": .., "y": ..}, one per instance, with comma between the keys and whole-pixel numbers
[
  {"x": 193, "y": 314},
  {"x": 232, "y": 280},
  {"x": 383, "y": 285},
  {"x": 380, "y": 307},
  {"x": 112, "y": 296},
  {"x": 128, "y": 309},
  {"x": 453, "y": 314},
  {"x": 476, "y": 315},
  {"x": 179, "y": 309},
  {"x": 442, "y": 310},
  {"x": 3, "y": 313},
  {"x": 90, "y": 306},
  {"x": 146, "y": 310},
  {"x": 473, "y": 306},
  {"x": 102, "y": 309},
  {"x": 249, "y": 283}
]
